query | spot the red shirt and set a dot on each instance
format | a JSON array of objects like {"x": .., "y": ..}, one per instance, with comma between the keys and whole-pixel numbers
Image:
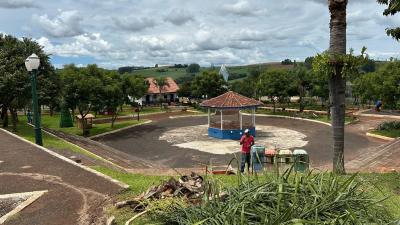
[{"x": 246, "y": 142}]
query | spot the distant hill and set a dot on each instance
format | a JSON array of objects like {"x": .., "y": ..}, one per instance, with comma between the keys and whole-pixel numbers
[{"x": 236, "y": 72}]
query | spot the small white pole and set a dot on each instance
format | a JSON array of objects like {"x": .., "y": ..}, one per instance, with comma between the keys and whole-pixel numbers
[
  {"x": 241, "y": 120},
  {"x": 222, "y": 121},
  {"x": 254, "y": 117},
  {"x": 209, "y": 117}
]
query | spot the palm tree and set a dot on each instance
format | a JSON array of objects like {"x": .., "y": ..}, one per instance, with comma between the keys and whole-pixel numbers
[
  {"x": 337, "y": 82},
  {"x": 161, "y": 83}
]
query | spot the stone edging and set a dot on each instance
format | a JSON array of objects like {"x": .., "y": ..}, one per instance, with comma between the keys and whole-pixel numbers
[
  {"x": 369, "y": 134},
  {"x": 33, "y": 197},
  {"x": 119, "y": 183},
  {"x": 118, "y": 130}
]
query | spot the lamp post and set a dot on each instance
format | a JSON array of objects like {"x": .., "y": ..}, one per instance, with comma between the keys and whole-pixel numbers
[{"x": 32, "y": 64}]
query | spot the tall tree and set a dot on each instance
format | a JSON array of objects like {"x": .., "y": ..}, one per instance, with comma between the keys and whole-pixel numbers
[
  {"x": 112, "y": 94},
  {"x": 15, "y": 84},
  {"x": 211, "y": 84},
  {"x": 337, "y": 82},
  {"x": 302, "y": 83},
  {"x": 82, "y": 88},
  {"x": 275, "y": 84},
  {"x": 393, "y": 7},
  {"x": 161, "y": 83}
]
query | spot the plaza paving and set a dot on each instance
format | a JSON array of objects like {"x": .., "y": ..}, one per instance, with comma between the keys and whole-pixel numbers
[
  {"x": 74, "y": 195},
  {"x": 149, "y": 142}
]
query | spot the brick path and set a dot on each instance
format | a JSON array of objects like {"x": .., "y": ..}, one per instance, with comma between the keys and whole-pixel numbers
[{"x": 75, "y": 195}]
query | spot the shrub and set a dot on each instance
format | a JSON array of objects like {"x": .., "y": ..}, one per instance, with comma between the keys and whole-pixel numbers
[
  {"x": 389, "y": 125},
  {"x": 322, "y": 198}
]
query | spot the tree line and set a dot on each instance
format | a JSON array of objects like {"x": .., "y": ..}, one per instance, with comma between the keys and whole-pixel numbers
[{"x": 81, "y": 90}]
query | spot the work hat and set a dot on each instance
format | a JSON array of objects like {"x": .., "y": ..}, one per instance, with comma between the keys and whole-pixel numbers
[{"x": 246, "y": 131}]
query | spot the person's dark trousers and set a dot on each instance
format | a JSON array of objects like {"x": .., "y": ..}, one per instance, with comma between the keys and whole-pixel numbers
[{"x": 246, "y": 158}]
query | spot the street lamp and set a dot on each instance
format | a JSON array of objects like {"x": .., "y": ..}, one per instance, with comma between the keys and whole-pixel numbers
[{"x": 32, "y": 64}]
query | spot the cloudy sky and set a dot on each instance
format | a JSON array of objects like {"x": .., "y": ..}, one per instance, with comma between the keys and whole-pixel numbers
[{"x": 115, "y": 33}]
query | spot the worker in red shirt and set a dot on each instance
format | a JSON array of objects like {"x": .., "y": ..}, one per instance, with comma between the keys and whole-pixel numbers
[{"x": 246, "y": 141}]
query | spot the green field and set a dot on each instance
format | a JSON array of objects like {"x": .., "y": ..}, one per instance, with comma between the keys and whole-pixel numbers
[{"x": 180, "y": 72}]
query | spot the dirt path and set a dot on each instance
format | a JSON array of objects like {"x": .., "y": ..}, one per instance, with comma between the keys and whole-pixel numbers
[{"x": 75, "y": 196}]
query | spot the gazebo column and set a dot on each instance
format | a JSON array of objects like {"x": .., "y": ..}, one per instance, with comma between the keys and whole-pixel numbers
[
  {"x": 241, "y": 120},
  {"x": 253, "y": 115},
  {"x": 209, "y": 117},
  {"x": 222, "y": 121}
]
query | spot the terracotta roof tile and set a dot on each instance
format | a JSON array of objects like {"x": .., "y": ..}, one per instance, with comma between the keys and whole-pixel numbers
[
  {"x": 230, "y": 100},
  {"x": 171, "y": 88}
]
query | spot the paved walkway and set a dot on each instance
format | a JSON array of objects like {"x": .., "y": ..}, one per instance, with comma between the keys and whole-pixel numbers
[{"x": 75, "y": 195}]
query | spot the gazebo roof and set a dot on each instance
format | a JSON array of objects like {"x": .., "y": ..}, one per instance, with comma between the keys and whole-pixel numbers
[{"x": 230, "y": 100}]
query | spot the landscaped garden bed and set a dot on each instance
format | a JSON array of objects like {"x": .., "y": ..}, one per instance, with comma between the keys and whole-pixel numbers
[
  {"x": 312, "y": 198},
  {"x": 388, "y": 129}
]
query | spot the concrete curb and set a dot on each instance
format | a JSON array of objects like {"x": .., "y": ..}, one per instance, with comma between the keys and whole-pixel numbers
[
  {"x": 118, "y": 130},
  {"x": 379, "y": 116},
  {"x": 290, "y": 117},
  {"x": 33, "y": 197},
  {"x": 380, "y": 136},
  {"x": 119, "y": 183},
  {"x": 188, "y": 116}
]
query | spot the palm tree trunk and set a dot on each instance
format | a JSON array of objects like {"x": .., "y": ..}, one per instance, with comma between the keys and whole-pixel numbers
[{"x": 337, "y": 82}]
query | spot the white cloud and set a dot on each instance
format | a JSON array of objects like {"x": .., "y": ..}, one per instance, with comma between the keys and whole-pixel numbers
[
  {"x": 14, "y": 4},
  {"x": 179, "y": 17},
  {"x": 83, "y": 45},
  {"x": 241, "y": 8},
  {"x": 125, "y": 32},
  {"x": 66, "y": 24}
]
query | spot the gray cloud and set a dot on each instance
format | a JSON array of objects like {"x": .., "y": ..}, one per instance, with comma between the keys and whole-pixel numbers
[
  {"x": 179, "y": 17},
  {"x": 133, "y": 24},
  {"x": 66, "y": 24},
  {"x": 15, "y": 4}
]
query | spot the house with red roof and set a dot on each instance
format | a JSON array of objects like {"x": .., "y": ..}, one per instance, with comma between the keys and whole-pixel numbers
[{"x": 169, "y": 92}]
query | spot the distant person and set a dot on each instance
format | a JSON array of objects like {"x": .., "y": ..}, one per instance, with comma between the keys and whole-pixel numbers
[
  {"x": 246, "y": 141},
  {"x": 378, "y": 105},
  {"x": 29, "y": 116}
]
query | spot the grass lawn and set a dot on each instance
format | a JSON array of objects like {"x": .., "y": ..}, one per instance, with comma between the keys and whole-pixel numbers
[
  {"x": 53, "y": 123},
  {"x": 380, "y": 185},
  {"x": 129, "y": 111},
  {"x": 395, "y": 133},
  {"x": 27, "y": 132},
  {"x": 322, "y": 118}
]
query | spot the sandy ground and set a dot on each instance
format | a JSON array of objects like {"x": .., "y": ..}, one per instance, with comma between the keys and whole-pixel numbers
[{"x": 195, "y": 137}]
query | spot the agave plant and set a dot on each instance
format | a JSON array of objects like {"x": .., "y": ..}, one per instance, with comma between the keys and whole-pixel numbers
[{"x": 312, "y": 198}]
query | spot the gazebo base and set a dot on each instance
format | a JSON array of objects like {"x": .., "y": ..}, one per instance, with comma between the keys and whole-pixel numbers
[{"x": 235, "y": 134}]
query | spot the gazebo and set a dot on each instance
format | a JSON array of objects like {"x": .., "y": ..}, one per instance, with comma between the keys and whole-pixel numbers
[{"x": 230, "y": 124}]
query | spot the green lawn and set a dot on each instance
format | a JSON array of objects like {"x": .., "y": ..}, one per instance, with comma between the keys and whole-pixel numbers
[
  {"x": 395, "y": 133},
  {"x": 53, "y": 123},
  {"x": 128, "y": 111},
  {"x": 322, "y": 118},
  {"x": 27, "y": 132}
]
